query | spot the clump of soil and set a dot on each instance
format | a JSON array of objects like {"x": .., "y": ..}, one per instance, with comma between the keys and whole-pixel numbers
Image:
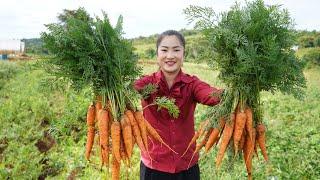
[{"x": 45, "y": 143}]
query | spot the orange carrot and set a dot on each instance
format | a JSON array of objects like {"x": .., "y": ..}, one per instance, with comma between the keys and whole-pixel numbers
[
  {"x": 214, "y": 136},
  {"x": 242, "y": 140},
  {"x": 261, "y": 129},
  {"x": 239, "y": 125},
  {"x": 133, "y": 142},
  {"x": 212, "y": 139},
  {"x": 90, "y": 131},
  {"x": 155, "y": 135},
  {"x": 248, "y": 151},
  {"x": 204, "y": 140},
  {"x": 115, "y": 136},
  {"x": 202, "y": 130},
  {"x": 98, "y": 106},
  {"x": 141, "y": 122},
  {"x": 249, "y": 122},
  {"x": 127, "y": 135},
  {"x": 123, "y": 153},
  {"x": 143, "y": 130},
  {"x": 227, "y": 134},
  {"x": 248, "y": 148},
  {"x": 135, "y": 129},
  {"x": 90, "y": 139},
  {"x": 201, "y": 144},
  {"x": 115, "y": 171},
  {"x": 104, "y": 135},
  {"x": 196, "y": 135},
  {"x": 91, "y": 115}
]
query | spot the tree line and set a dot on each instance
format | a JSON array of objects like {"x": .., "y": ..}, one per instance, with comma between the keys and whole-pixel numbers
[{"x": 196, "y": 46}]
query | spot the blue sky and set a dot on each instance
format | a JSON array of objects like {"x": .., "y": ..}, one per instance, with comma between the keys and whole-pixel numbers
[{"x": 26, "y": 18}]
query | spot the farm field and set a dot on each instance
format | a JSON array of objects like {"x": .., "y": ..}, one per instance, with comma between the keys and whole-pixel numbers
[{"x": 43, "y": 129}]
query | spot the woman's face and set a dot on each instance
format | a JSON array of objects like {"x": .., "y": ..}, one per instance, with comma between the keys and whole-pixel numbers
[{"x": 170, "y": 55}]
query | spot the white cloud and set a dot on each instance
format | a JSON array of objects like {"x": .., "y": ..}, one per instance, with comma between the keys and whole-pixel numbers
[{"x": 26, "y": 18}]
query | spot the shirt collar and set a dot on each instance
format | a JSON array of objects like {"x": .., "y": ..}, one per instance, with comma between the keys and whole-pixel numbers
[{"x": 181, "y": 77}]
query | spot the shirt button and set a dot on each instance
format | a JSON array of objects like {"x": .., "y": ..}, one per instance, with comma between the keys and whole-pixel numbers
[{"x": 172, "y": 120}]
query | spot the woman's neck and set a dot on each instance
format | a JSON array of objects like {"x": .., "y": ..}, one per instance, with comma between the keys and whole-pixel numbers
[{"x": 170, "y": 77}]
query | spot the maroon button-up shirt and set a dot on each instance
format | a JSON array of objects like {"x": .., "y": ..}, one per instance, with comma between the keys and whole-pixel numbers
[{"x": 187, "y": 91}]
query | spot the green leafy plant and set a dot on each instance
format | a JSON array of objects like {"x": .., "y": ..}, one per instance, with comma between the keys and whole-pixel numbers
[
  {"x": 7, "y": 71},
  {"x": 91, "y": 53},
  {"x": 148, "y": 90},
  {"x": 169, "y": 104},
  {"x": 251, "y": 48},
  {"x": 312, "y": 57},
  {"x": 166, "y": 103}
]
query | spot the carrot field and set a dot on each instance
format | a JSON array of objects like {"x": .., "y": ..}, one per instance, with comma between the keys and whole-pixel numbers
[{"x": 43, "y": 129}]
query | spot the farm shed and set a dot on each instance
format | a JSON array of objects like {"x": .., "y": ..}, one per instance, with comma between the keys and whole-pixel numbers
[{"x": 11, "y": 47}]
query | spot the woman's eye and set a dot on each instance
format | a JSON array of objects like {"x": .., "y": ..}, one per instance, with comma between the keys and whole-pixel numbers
[
  {"x": 177, "y": 50},
  {"x": 163, "y": 50}
]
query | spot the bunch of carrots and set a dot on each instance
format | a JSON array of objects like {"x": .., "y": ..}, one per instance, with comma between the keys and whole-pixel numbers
[
  {"x": 117, "y": 137},
  {"x": 238, "y": 131},
  {"x": 247, "y": 65}
]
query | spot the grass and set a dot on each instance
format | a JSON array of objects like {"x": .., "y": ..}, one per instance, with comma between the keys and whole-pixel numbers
[
  {"x": 30, "y": 108},
  {"x": 301, "y": 52},
  {"x": 142, "y": 47}
]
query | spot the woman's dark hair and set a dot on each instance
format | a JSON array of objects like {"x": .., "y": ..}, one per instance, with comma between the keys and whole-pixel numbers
[{"x": 171, "y": 33}]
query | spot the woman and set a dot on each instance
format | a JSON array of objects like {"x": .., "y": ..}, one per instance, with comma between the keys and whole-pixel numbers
[{"x": 187, "y": 91}]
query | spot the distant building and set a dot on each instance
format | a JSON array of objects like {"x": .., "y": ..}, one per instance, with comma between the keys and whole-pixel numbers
[{"x": 8, "y": 47}]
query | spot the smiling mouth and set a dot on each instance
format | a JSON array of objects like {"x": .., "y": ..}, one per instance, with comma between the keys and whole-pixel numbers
[{"x": 170, "y": 63}]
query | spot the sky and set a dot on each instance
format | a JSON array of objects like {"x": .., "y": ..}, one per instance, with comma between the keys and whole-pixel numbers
[{"x": 26, "y": 18}]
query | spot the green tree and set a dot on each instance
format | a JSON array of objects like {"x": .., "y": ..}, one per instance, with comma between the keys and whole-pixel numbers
[
  {"x": 312, "y": 57},
  {"x": 317, "y": 41},
  {"x": 150, "y": 53}
]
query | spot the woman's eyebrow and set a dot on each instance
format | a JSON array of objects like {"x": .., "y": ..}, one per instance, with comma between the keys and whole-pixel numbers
[{"x": 172, "y": 47}]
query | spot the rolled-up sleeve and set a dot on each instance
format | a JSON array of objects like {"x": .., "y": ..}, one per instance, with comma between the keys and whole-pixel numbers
[{"x": 205, "y": 94}]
